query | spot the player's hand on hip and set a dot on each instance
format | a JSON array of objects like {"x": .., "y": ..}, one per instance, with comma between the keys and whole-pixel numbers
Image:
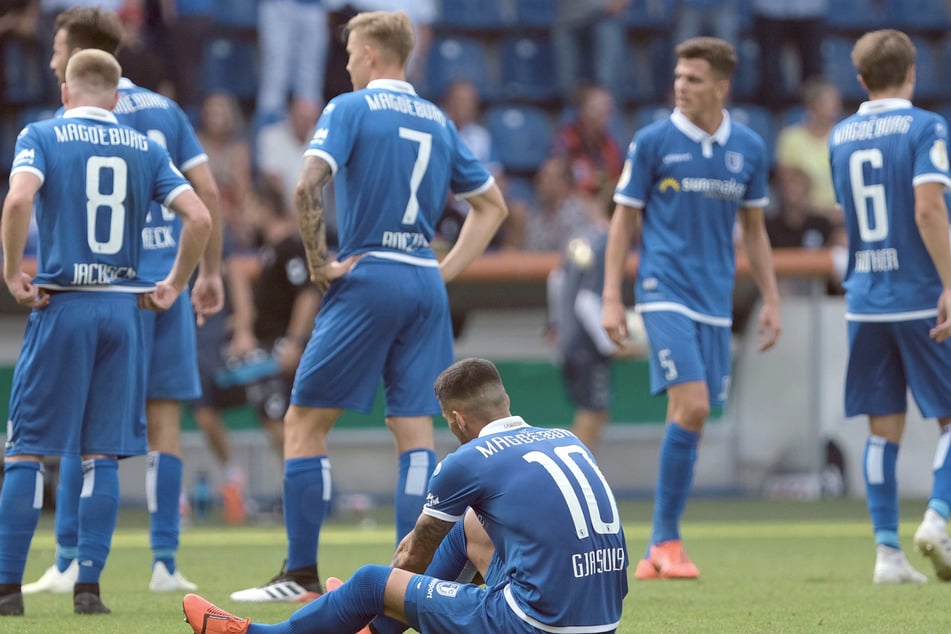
[
  {"x": 942, "y": 329},
  {"x": 770, "y": 325},
  {"x": 208, "y": 297},
  {"x": 160, "y": 299},
  {"x": 23, "y": 290},
  {"x": 614, "y": 320},
  {"x": 331, "y": 271}
]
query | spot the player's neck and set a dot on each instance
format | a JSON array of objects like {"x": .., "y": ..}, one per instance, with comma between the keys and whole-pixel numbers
[
  {"x": 709, "y": 122},
  {"x": 395, "y": 74}
]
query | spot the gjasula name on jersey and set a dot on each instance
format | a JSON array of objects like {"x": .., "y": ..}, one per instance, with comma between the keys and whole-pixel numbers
[
  {"x": 598, "y": 561},
  {"x": 98, "y": 274}
]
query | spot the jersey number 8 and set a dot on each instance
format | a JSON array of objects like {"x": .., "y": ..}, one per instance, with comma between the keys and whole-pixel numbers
[{"x": 114, "y": 201}]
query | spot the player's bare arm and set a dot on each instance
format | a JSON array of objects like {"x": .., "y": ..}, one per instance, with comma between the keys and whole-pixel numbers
[
  {"x": 488, "y": 212},
  {"x": 14, "y": 227},
  {"x": 309, "y": 201},
  {"x": 208, "y": 295},
  {"x": 624, "y": 225},
  {"x": 416, "y": 550},
  {"x": 196, "y": 227},
  {"x": 759, "y": 252},
  {"x": 931, "y": 216}
]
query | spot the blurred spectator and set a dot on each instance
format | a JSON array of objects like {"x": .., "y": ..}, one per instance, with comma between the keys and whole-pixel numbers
[
  {"x": 594, "y": 155},
  {"x": 280, "y": 154},
  {"x": 780, "y": 22},
  {"x": 19, "y": 24},
  {"x": 422, "y": 13},
  {"x": 222, "y": 135},
  {"x": 800, "y": 225},
  {"x": 563, "y": 210},
  {"x": 187, "y": 25},
  {"x": 588, "y": 38},
  {"x": 293, "y": 39},
  {"x": 717, "y": 18},
  {"x": 141, "y": 62},
  {"x": 804, "y": 147}
]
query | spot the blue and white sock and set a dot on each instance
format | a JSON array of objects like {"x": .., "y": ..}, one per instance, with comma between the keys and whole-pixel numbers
[
  {"x": 163, "y": 488},
  {"x": 881, "y": 486},
  {"x": 307, "y": 489},
  {"x": 347, "y": 609},
  {"x": 66, "y": 523},
  {"x": 98, "y": 512},
  {"x": 416, "y": 466},
  {"x": 940, "y": 501},
  {"x": 678, "y": 455},
  {"x": 21, "y": 501}
]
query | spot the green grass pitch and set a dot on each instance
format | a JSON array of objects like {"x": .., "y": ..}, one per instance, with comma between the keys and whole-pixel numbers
[{"x": 765, "y": 567}]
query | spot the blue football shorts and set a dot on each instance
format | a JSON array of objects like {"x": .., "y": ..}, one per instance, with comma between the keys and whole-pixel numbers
[
  {"x": 435, "y": 606},
  {"x": 888, "y": 358},
  {"x": 171, "y": 352},
  {"x": 79, "y": 382},
  {"x": 383, "y": 319},
  {"x": 684, "y": 350}
]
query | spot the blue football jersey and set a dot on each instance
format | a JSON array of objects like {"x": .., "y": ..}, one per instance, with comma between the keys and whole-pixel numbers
[
  {"x": 552, "y": 518},
  {"x": 163, "y": 121},
  {"x": 690, "y": 186},
  {"x": 878, "y": 156},
  {"x": 395, "y": 157},
  {"x": 98, "y": 181}
]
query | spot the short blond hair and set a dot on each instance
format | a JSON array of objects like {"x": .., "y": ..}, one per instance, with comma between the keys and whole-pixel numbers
[
  {"x": 883, "y": 58},
  {"x": 392, "y": 31},
  {"x": 93, "y": 72}
]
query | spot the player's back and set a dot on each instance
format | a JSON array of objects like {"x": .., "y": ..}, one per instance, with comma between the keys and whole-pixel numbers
[
  {"x": 553, "y": 520},
  {"x": 163, "y": 121},
  {"x": 99, "y": 179},
  {"x": 396, "y": 157},
  {"x": 878, "y": 156}
]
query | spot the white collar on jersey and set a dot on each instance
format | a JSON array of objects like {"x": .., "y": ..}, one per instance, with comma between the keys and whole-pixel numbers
[
  {"x": 884, "y": 105},
  {"x": 694, "y": 133},
  {"x": 90, "y": 112},
  {"x": 503, "y": 424},
  {"x": 126, "y": 83},
  {"x": 392, "y": 84}
]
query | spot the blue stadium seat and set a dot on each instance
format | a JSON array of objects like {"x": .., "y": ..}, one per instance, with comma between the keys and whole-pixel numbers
[
  {"x": 534, "y": 13},
  {"x": 647, "y": 115},
  {"x": 521, "y": 135},
  {"x": 453, "y": 58},
  {"x": 471, "y": 15},
  {"x": 239, "y": 14},
  {"x": 648, "y": 72},
  {"x": 931, "y": 81},
  {"x": 760, "y": 120},
  {"x": 747, "y": 76},
  {"x": 920, "y": 15},
  {"x": 230, "y": 65},
  {"x": 838, "y": 68},
  {"x": 528, "y": 69},
  {"x": 25, "y": 71},
  {"x": 850, "y": 15},
  {"x": 652, "y": 15}
]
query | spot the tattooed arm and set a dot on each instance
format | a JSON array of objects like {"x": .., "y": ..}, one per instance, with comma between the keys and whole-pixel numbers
[
  {"x": 309, "y": 201},
  {"x": 416, "y": 550}
]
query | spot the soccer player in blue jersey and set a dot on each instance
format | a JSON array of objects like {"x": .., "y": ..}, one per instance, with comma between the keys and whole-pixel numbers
[
  {"x": 890, "y": 172},
  {"x": 541, "y": 523},
  {"x": 171, "y": 357},
  {"x": 79, "y": 381},
  {"x": 685, "y": 182},
  {"x": 393, "y": 157}
]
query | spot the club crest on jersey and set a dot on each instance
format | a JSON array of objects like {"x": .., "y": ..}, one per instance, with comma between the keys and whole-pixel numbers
[{"x": 734, "y": 162}]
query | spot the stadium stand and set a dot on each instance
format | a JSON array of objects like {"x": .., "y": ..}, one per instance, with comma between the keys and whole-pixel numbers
[
  {"x": 452, "y": 58},
  {"x": 522, "y": 136},
  {"x": 231, "y": 65},
  {"x": 236, "y": 14},
  {"x": 472, "y": 15},
  {"x": 760, "y": 120},
  {"x": 534, "y": 13},
  {"x": 528, "y": 70},
  {"x": 25, "y": 75}
]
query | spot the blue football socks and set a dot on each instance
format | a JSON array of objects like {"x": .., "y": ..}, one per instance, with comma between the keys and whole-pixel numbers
[
  {"x": 416, "y": 466},
  {"x": 940, "y": 501},
  {"x": 66, "y": 523},
  {"x": 163, "y": 488},
  {"x": 678, "y": 454},
  {"x": 881, "y": 487},
  {"x": 21, "y": 501},
  {"x": 98, "y": 512},
  {"x": 306, "y": 499}
]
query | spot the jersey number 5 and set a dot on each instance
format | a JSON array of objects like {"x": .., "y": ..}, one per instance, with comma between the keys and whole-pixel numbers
[
  {"x": 865, "y": 197},
  {"x": 96, "y": 199},
  {"x": 567, "y": 456},
  {"x": 425, "y": 141}
]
